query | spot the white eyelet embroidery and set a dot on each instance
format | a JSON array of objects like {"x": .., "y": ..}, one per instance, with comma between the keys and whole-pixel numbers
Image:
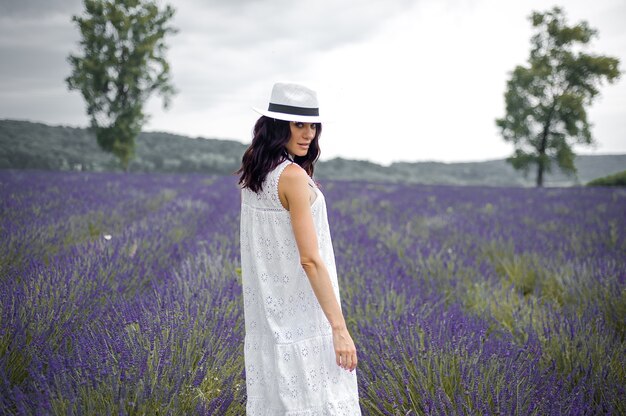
[{"x": 290, "y": 363}]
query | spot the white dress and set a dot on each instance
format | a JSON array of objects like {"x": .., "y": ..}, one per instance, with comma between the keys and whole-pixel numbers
[{"x": 288, "y": 348}]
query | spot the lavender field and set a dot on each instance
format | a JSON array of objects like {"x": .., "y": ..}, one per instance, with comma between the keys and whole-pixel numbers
[{"x": 120, "y": 295}]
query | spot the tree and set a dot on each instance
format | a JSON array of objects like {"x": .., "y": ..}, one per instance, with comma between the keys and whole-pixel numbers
[
  {"x": 545, "y": 102},
  {"x": 123, "y": 63}
]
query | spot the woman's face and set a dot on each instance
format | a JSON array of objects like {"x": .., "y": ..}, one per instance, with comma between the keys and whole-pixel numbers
[{"x": 301, "y": 136}]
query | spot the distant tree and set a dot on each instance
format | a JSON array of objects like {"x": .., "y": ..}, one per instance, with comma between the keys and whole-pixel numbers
[
  {"x": 617, "y": 179},
  {"x": 123, "y": 63},
  {"x": 545, "y": 101}
]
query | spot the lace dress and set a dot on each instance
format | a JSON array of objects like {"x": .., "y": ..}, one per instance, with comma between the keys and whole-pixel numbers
[{"x": 288, "y": 348}]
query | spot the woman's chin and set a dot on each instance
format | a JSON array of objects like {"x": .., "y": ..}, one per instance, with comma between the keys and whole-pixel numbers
[{"x": 300, "y": 152}]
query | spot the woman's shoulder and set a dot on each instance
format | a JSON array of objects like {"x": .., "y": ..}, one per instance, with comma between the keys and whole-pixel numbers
[
  {"x": 293, "y": 175},
  {"x": 277, "y": 171},
  {"x": 293, "y": 170}
]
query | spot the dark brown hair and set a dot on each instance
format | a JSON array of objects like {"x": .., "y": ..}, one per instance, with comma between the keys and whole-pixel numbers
[{"x": 267, "y": 150}]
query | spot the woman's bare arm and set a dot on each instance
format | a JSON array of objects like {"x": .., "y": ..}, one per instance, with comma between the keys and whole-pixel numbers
[{"x": 294, "y": 191}]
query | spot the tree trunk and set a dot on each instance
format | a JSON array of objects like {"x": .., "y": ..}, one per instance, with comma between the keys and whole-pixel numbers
[
  {"x": 541, "y": 159},
  {"x": 542, "y": 147}
]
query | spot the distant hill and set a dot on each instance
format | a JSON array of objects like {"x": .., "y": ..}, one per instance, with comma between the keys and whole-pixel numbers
[
  {"x": 29, "y": 145},
  {"x": 38, "y": 146}
]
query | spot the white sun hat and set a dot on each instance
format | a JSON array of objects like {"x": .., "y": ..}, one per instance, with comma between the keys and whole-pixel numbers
[{"x": 292, "y": 102}]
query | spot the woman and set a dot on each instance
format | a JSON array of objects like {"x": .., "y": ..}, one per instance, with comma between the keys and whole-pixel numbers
[{"x": 299, "y": 356}]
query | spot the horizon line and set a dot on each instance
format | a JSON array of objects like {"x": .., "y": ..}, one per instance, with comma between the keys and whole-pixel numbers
[{"x": 322, "y": 159}]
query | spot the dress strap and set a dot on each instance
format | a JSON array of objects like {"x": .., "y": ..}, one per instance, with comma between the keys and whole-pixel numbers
[{"x": 274, "y": 182}]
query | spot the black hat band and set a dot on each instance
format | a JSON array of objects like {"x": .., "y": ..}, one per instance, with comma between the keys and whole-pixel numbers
[{"x": 289, "y": 109}]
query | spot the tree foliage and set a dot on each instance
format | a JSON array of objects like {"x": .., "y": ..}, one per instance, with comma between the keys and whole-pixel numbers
[
  {"x": 122, "y": 64},
  {"x": 546, "y": 101},
  {"x": 617, "y": 179}
]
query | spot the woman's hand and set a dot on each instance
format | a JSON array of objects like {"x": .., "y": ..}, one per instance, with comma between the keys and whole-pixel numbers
[{"x": 345, "y": 351}]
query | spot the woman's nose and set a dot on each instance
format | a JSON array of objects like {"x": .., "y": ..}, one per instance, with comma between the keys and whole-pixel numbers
[{"x": 310, "y": 132}]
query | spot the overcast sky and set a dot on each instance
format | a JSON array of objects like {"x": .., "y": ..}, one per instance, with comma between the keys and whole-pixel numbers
[{"x": 399, "y": 80}]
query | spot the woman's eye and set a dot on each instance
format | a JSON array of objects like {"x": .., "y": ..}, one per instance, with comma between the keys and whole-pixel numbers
[{"x": 300, "y": 125}]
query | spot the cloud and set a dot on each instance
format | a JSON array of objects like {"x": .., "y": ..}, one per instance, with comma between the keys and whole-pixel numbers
[
  {"x": 227, "y": 54},
  {"x": 229, "y": 46},
  {"x": 307, "y": 25},
  {"x": 222, "y": 54},
  {"x": 37, "y": 8}
]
